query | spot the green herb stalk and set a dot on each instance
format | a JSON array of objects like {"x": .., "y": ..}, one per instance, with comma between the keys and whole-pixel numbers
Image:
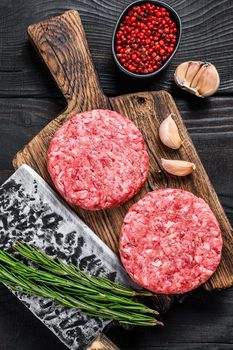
[{"x": 68, "y": 286}]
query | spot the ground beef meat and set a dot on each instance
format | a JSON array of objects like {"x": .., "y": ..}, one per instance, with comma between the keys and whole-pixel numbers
[
  {"x": 170, "y": 241},
  {"x": 98, "y": 159}
]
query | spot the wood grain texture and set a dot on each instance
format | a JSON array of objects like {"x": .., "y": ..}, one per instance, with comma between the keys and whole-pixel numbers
[
  {"x": 207, "y": 33},
  {"x": 102, "y": 343},
  {"x": 200, "y": 323},
  {"x": 203, "y": 321},
  {"x": 61, "y": 42},
  {"x": 32, "y": 99},
  {"x": 203, "y": 330}
]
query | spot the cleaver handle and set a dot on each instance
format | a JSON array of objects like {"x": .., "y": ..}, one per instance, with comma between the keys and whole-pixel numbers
[
  {"x": 62, "y": 43},
  {"x": 101, "y": 343}
]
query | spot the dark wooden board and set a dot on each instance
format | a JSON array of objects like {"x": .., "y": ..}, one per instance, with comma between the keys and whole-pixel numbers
[
  {"x": 207, "y": 33},
  {"x": 195, "y": 324},
  {"x": 62, "y": 44},
  {"x": 203, "y": 327},
  {"x": 201, "y": 322},
  {"x": 203, "y": 330}
]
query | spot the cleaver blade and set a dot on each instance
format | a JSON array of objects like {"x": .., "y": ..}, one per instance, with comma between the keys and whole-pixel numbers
[{"x": 31, "y": 212}]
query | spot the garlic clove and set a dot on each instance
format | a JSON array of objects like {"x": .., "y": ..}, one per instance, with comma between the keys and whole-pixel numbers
[
  {"x": 169, "y": 133},
  {"x": 180, "y": 73},
  {"x": 208, "y": 80},
  {"x": 199, "y": 78},
  {"x": 193, "y": 68},
  {"x": 177, "y": 167}
]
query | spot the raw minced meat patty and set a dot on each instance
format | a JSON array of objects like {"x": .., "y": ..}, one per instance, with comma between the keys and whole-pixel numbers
[
  {"x": 98, "y": 159},
  {"x": 170, "y": 241}
]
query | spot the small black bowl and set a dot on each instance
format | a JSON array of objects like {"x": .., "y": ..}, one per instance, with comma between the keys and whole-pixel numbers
[{"x": 174, "y": 16}]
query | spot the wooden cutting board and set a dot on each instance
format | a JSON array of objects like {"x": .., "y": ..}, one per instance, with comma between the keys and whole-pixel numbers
[{"x": 63, "y": 46}]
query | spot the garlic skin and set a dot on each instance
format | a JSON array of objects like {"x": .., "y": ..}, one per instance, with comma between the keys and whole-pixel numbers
[
  {"x": 177, "y": 167},
  {"x": 169, "y": 133},
  {"x": 199, "y": 78}
]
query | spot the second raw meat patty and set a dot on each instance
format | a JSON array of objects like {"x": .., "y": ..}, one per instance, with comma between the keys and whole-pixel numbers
[
  {"x": 98, "y": 159},
  {"x": 170, "y": 241}
]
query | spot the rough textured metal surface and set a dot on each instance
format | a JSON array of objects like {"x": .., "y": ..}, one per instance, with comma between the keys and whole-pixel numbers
[{"x": 31, "y": 212}]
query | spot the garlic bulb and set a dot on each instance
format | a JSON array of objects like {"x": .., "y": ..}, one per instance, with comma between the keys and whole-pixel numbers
[
  {"x": 199, "y": 78},
  {"x": 177, "y": 167},
  {"x": 169, "y": 134}
]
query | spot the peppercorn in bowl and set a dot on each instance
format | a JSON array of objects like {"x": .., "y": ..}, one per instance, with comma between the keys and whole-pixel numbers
[{"x": 146, "y": 38}]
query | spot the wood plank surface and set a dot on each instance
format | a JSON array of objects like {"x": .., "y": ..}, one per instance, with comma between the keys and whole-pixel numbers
[
  {"x": 203, "y": 321},
  {"x": 62, "y": 44},
  {"x": 207, "y": 33},
  {"x": 29, "y": 99}
]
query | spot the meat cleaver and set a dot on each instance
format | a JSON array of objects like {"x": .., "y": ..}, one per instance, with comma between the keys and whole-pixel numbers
[{"x": 31, "y": 212}]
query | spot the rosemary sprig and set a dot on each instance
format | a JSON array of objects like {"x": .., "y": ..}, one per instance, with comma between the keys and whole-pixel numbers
[
  {"x": 68, "y": 286},
  {"x": 72, "y": 272}
]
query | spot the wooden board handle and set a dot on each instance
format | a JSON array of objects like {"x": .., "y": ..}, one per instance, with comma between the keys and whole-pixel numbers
[
  {"x": 101, "y": 343},
  {"x": 62, "y": 43}
]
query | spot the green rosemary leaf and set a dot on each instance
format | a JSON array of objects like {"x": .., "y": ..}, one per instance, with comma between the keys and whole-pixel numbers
[
  {"x": 72, "y": 272},
  {"x": 68, "y": 286}
]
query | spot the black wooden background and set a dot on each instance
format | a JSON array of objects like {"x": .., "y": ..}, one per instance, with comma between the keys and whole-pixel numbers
[{"x": 29, "y": 100}]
